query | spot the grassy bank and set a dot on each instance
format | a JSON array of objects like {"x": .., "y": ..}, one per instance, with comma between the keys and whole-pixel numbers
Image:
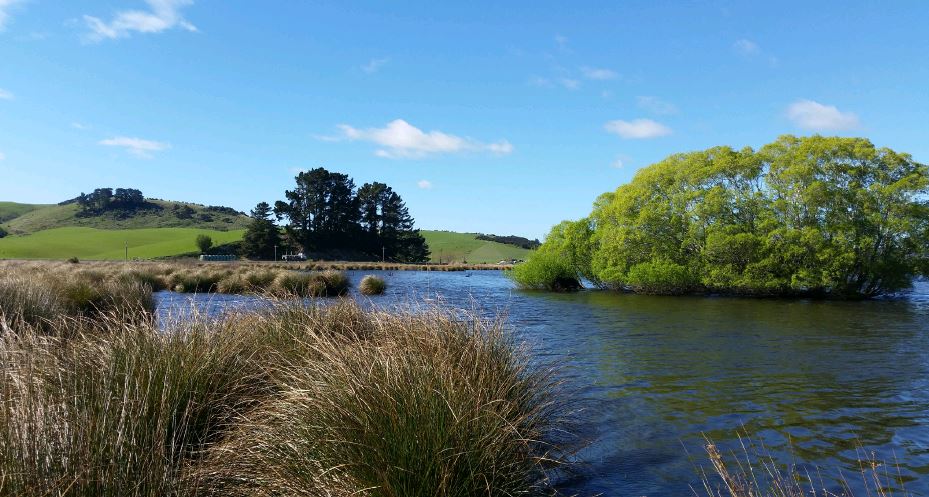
[{"x": 289, "y": 401}]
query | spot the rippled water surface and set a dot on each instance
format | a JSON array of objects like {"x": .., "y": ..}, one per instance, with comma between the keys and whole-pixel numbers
[{"x": 659, "y": 373}]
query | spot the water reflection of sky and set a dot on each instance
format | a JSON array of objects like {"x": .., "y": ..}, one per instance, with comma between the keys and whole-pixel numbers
[{"x": 660, "y": 372}]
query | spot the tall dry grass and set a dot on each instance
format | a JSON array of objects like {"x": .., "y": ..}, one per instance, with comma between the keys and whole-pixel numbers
[
  {"x": 43, "y": 298},
  {"x": 183, "y": 277},
  {"x": 291, "y": 400},
  {"x": 754, "y": 472}
]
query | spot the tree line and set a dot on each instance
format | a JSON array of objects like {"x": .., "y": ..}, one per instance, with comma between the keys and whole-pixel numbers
[
  {"x": 816, "y": 216},
  {"x": 326, "y": 214}
]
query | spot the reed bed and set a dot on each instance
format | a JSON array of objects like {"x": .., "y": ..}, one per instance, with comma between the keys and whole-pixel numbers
[
  {"x": 188, "y": 277},
  {"x": 291, "y": 400}
]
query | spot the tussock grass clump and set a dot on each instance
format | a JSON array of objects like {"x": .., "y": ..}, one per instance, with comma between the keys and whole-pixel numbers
[
  {"x": 337, "y": 283},
  {"x": 372, "y": 285},
  {"x": 292, "y": 400},
  {"x": 317, "y": 284},
  {"x": 196, "y": 281},
  {"x": 413, "y": 406},
  {"x": 39, "y": 299},
  {"x": 117, "y": 410}
]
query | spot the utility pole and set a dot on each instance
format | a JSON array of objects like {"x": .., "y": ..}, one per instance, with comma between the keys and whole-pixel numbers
[
  {"x": 127, "y": 250},
  {"x": 383, "y": 251},
  {"x": 275, "y": 252}
]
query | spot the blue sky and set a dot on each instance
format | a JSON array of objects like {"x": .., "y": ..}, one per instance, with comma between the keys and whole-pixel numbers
[{"x": 499, "y": 117}]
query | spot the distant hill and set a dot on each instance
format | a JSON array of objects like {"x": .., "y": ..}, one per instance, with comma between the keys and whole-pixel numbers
[
  {"x": 157, "y": 214},
  {"x": 40, "y": 231},
  {"x": 97, "y": 244},
  {"x": 449, "y": 246},
  {"x": 12, "y": 210}
]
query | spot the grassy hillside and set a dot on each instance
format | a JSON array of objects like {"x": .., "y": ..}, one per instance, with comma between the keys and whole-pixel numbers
[
  {"x": 91, "y": 243},
  {"x": 460, "y": 247},
  {"x": 12, "y": 210},
  {"x": 162, "y": 215},
  {"x": 58, "y": 232}
]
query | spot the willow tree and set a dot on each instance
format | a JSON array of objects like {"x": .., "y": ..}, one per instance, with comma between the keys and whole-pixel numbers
[{"x": 801, "y": 216}]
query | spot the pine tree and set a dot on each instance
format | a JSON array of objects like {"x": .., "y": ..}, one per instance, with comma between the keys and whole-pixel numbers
[{"x": 262, "y": 234}]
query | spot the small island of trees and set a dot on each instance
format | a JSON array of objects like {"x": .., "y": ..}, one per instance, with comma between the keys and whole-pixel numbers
[{"x": 815, "y": 216}]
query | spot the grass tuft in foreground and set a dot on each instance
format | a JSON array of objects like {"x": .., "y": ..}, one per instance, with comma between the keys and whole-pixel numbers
[{"x": 328, "y": 400}]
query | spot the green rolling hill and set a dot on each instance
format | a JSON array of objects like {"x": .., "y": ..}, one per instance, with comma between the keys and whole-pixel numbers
[
  {"x": 97, "y": 244},
  {"x": 161, "y": 214},
  {"x": 13, "y": 210},
  {"x": 449, "y": 246},
  {"x": 58, "y": 232}
]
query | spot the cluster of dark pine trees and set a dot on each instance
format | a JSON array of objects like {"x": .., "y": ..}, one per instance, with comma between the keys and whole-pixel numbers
[
  {"x": 325, "y": 214},
  {"x": 105, "y": 199}
]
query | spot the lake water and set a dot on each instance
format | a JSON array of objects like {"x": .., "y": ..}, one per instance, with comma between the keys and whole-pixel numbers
[{"x": 814, "y": 381}]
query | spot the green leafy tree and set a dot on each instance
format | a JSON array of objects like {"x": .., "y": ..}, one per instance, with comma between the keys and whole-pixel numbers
[
  {"x": 825, "y": 216},
  {"x": 204, "y": 243},
  {"x": 262, "y": 234}
]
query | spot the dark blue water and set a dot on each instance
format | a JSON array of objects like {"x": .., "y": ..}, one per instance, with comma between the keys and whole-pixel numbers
[{"x": 817, "y": 382}]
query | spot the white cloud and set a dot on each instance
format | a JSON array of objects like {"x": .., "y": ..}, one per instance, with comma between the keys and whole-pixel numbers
[
  {"x": 637, "y": 129},
  {"x": 375, "y": 65},
  {"x": 164, "y": 15},
  {"x": 656, "y": 105},
  {"x": 571, "y": 84},
  {"x": 599, "y": 74},
  {"x": 401, "y": 139},
  {"x": 562, "y": 42},
  {"x": 4, "y": 94},
  {"x": 5, "y": 7},
  {"x": 138, "y": 147},
  {"x": 815, "y": 116},
  {"x": 424, "y": 184},
  {"x": 618, "y": 163},
  {"x": 80, "y": 126},
  {"x": 746, "y": 47},
  {"x": 2, "y": 156}
]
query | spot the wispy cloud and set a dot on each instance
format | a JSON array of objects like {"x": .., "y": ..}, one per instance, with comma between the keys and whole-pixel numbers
[
  {"x": 80, "y": 126},
  {"x": 144, "y": 149},
  {"x": 424, "y": 184},
  {"x": 5, "y": 7},
  {"x": 163, "y": 15},
  {"x": 562, "y": 43},
  {"x": 6, "y": 95},
  {"x": 2, "y": 156},
  {"x": 401, "y": 140},
  {"x": 637, "y": 129},
  {"x": 746, "y": 47},
  {"x": 656, "y": 105},
  {"x": 814, "y": 116},
  {"x": 375, "y": 65},
  {"x": 599, "y": 74},
  {"x": 540, "y": 82},
  {"x": 569, "y": 83}
]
